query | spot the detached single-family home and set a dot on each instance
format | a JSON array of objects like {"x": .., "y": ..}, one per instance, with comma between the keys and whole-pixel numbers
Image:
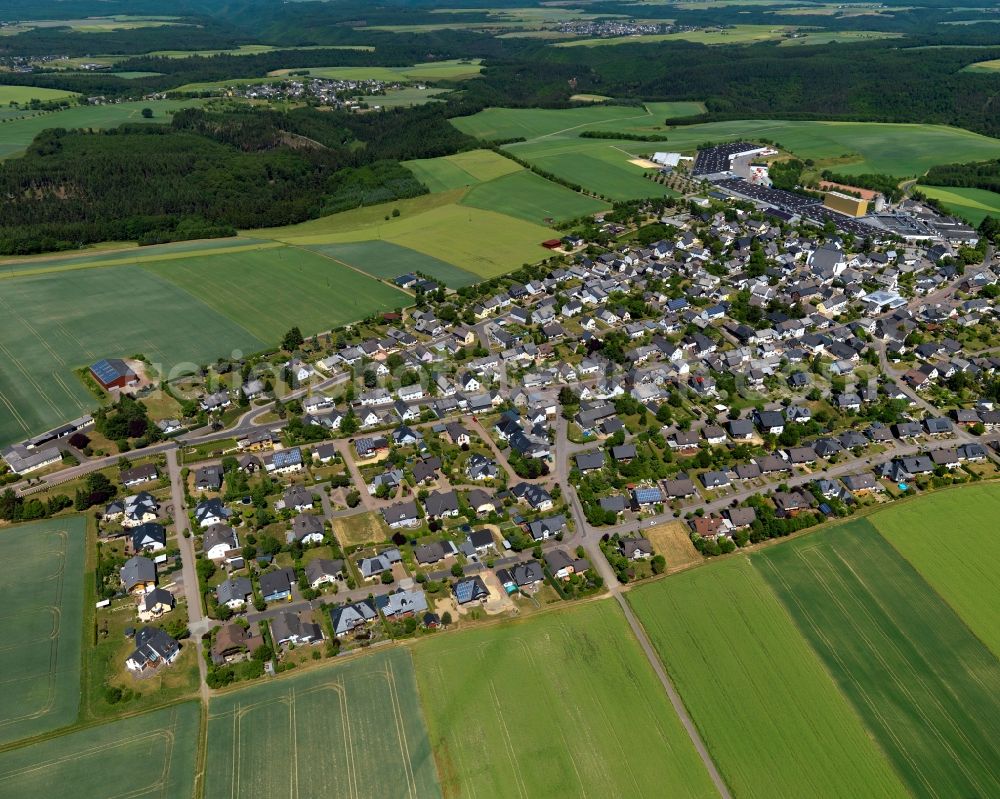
[
  {"x": 306, "y": 529},
  {"x": 149, "y": 537},
  {"x": 322, "y": 571},
  {"x": 534, "y": 495},
  {"x": 470, "y": 589},
  {"x": 277, "y": 585},
  {"x": 138, "y": 575},
  {"x": 153, "y": 648},
  {"x": 235, "y": 593},
  {"x": 351, "y": 618},
  {"x": 400, "y": 604},
  {"x": 635, "y": 548},
  {"x": 295, "y": 628},
  {"x": 155, "y": 603},
  {"x": 218, "y": 540}
]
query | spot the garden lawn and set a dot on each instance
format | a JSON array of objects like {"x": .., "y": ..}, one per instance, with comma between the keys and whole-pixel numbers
[
  {"x": 951, "y": 538},
  {"x": 354, "y": 730},
  {"x": 151, "y": 755},
  {"x": 16, "y": 135},
  {"x": 385, "y": 260},
  {"x": 40, "y": 626},
  {"x": 973, "y": 205},
  {"x": 527, "y": 196},
  {"x": 564, "y": 704},
  {"x": 774, "y": 720},
  {"x": 51, "y": 325},
  {"x": 269, "y": 291},
  {"x": 926, "y": 687}
]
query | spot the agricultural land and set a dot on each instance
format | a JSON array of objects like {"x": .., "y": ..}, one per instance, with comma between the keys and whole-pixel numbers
[
  {"x": 728, "y": 643},
  {"x": 149, "y": 756},
  {"x": 936, "y": 535},
  {"x": 925, "y": 685},
  {"x": 553, "y": 140},
  {"x": 971, "y": 204},
  {"x": 351, "y": 730},
  {"x": 560, "y": 705},
  {"x": 40, "y": 626}
]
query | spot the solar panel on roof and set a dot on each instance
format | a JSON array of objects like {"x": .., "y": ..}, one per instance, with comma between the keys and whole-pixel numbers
[{"x": 648, "y": 495}]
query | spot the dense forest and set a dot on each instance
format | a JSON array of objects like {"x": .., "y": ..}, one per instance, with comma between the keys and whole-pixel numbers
[{"x": 207, "y": 173}]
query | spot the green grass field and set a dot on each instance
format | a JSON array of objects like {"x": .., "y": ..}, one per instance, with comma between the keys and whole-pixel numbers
[
  {"x": 40, "y": 627},
  {"x": 988, "y": 67},
  {"x": 24, "y": 94},
  {"x": 806, "y": 38},
  {"x": 971, "y": 204},
  {"x": 352, "y": 730},
  {"x": 388, "y": 261},
  {"x": 15, "y": 136},
  {"x": 133, "y": 75},
  {"x": 926, "y": 687},
  {"x": 52, "y": 324},
  {"x": 775, "y": 722},
  {"x": 485, "y": 243},
  {"x": 737, "y": 34},
  {"x": 498, "y": 184},
  {"x": 561, "y": 705},
  {"x": 847, "y": 147},
  {"x": 408, "y": 95},
  {"x": 462, "y": 169},
  {"x": 525, "y": 195},
  {"x": 143, "y": 757},
  {"x": 268, "y": 291},
  {"x": 951, "y": 538}
]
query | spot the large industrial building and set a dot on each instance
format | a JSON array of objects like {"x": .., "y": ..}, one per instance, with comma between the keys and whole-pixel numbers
[{"x": 845, "y": 204}]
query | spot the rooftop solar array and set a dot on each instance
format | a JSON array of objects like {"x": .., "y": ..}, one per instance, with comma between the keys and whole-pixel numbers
[{"x": 109, "y": 370}]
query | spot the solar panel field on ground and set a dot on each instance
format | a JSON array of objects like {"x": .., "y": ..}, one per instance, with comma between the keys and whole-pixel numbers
[
  {"x": 561, "y": 705},
  {"x": 927, "y": 688},
  {"x": 350, "y": 730},
  {"x": 952, "y": 539},
  {"x": 41, "y": 624},
  {"x": 153, "y": 755},
  {"x": 773, "y": 719}
]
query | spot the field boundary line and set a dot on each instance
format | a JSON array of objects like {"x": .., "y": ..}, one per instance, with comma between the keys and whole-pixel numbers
[{"x": 400, "y": 721}]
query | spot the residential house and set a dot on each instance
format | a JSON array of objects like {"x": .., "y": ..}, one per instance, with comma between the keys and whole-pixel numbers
[
  {"x": 534, "y": 495},
  {"x": 149, "y": 537},
  {"x": 138, "y": 575},
  {"x": 470, "y": 589},
  {"x": 277, "y": 585},
  {"x": 155, "y": 603},
  {"x": 352, "y": 618},
  {"x": 295, "y": 628},
  {"x": 153, "y": 649},
  {"x": 321, "y": 571},
  {"x": 234, "y": 592},
  {"x": 306, "y": 529},
  {"x": 218, "y": 540}
]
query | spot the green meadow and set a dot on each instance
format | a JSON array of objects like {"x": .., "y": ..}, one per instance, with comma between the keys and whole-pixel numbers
[
  {"x": 951, "y": 539},
  {"x": 564, "y": 704},
  {"x": 775, "y": 722},
  {"x": 16, "y": 135},
  {"x": 40, "y": 626},
  {"x": 149, "y": 756},
  {"x": 353, "y": 729},
  {"x": 973, "y": 205},
  {"x": 926, "y": 687}
]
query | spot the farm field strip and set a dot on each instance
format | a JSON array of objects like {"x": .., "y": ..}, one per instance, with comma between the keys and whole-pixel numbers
[
  {"x": 774, "y": 720},
  {"x": 938, "y": 535},
  {"x": 24, "y": 94},
  {"x": 385, "y": 260},
  {"x": 560, "y": 705},
  {"x": 152, "y": 755},
  {"x": 525, "y": 195},
  {"x": 317, "y": 735},
  {"x": 268, "y": 291},
  {"x": 926, "y": 687},
  {"x": 972, "y": 204},
  {"x": 40, "y": 626}
]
